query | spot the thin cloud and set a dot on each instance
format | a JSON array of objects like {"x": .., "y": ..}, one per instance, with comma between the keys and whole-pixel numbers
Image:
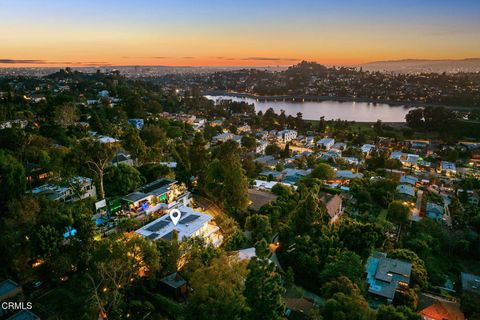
[
  {"x": 18, "y": 61},
  {"x": 160, "y": 57},
  {"x": 88, "y": 64},
  {"x": 188, "y": 57},
  {"x": 67, "y": 63},
  {"x": 269, "y": 59}
]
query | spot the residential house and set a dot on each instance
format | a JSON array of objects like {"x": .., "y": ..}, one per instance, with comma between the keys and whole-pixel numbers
[
  {"x": 419, "y": 145},
  {"x": 439, "y": 308},
  {"x": 36, "y": 98},
  {"x": 191, "y": 224},
  {"x": 351, "y": 160},
  {"x": 386, "y": 276},
  {"x": 367, "y": 148},
  {"x": 199, "y": 123},
  {"x": 406, "y": 190},
  {"x": 160, "y": 194},
  {"x": 9, "y": 289},
  {"x": 18, "y": 123},
  {"x": 448, "y": 168},
  {"x": 186, "y": 118},
  {"x": 169, "y": 164},
  {"x": 174, "y": 285},
  {"x": 286, "y": 135},
  {"x": 271, "y": 174},
  {"x": 470, "y": 283},
  {"x": 103, "y": 94},
  {"x": 244, "y": 129},
  {"x": 137, "y": 123},
  {"x": 407, "y": 159},
  {"x": 309, "y": 141},
  {"x": 24, "y": 315},
  {"x": 262, "y": 135},
  {"x": 36, "y": 173},
  {"x": 268, "y": 185},
  {"x": 223, "y": 137},
  {"x": 326, "y": 143},
  {"x": 268, "y": 161},
  {"x": 298, "y": 308},
  {"x": 292, "y": 176},
  {"x": 434, "y": 211},
  {"x": 123, "y": 157},
  {"x": 411, "y": 180},
  {"x": 261, "y": 146},
  {"x": 340, "y": 146},
  {"x": 216, "y": 123},
  {"x": 344, "y": 176},
  {"x": 333, "y": 203},
  {"x": 102, "y": 138},
  {"x": 331, "y": 154},
  {"x": 76, "y": 189}
]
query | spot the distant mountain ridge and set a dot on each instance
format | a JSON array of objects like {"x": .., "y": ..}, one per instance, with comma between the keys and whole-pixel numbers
[{"x": 424, "y": 65}]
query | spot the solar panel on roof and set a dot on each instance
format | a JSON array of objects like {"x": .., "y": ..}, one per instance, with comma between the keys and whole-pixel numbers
[
  {"x": 189, "y": 218},
  {"x": 157, "y": 226},
  {"x": 152, "y": 236},
  {"x": 168, "y": 236}
]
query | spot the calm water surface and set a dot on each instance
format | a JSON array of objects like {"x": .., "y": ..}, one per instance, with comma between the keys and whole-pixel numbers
[{"x": 313, "y": 110}]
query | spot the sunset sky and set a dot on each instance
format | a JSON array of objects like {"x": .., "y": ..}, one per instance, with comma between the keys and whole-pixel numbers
[{"x": 234, "y": 33}]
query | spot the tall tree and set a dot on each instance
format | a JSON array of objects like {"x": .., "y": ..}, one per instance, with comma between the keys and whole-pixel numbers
[
  {"x": 122, "y": 179},
  {"x": 12, "y": 178},
  {"x": 66, "y": 114},
  {"x": 97, "y": 157},
  {"x": 199, "y": 155},
  {"x": 226, "y": 180},
  {"x": 308, "y": 213},
  {"x": 323, "y": 171},
  {"x": 260, "y": 227},
  {"x": 398, "y": 212},
  {"x": 264, "y": 291},
  {"x": 116, "y": 262},
  {"x": 344, "y": 301},
  {"x": 218, "y": 290},
  {"x": 133, "y": 143}
]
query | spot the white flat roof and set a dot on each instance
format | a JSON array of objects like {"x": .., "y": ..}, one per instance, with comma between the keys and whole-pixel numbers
[{"x": 190, "y": 222}]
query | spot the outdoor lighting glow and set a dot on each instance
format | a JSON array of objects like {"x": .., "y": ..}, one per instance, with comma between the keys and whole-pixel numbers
[{"x": 37, "y": 263}]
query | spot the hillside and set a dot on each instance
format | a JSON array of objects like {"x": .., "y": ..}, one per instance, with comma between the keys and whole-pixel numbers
[{"x": 421, "y": 65}]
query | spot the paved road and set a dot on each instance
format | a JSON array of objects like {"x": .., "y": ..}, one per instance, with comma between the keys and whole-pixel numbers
[
  {"x": 208, "y": 206},
  {"x": 418, "y": 207}
]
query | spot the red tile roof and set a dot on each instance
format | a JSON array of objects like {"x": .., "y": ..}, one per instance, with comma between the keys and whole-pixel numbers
[{"x": 442, "y": 311}]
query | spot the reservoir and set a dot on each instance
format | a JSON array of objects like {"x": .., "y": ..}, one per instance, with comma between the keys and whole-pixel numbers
[{"x": 313, "y": 110}]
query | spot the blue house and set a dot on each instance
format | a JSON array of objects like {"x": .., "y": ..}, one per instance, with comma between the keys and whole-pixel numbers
[{"x": 137, "y": 123}]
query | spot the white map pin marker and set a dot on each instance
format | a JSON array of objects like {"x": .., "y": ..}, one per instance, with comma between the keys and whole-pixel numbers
[{"x": 175, "y": 215}]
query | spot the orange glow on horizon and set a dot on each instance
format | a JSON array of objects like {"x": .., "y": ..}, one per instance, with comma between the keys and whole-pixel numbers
[{"x": 179, "y": 62}]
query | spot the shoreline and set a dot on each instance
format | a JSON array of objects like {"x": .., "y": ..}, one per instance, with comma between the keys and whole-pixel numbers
[{"x": 315, "y": 98}]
